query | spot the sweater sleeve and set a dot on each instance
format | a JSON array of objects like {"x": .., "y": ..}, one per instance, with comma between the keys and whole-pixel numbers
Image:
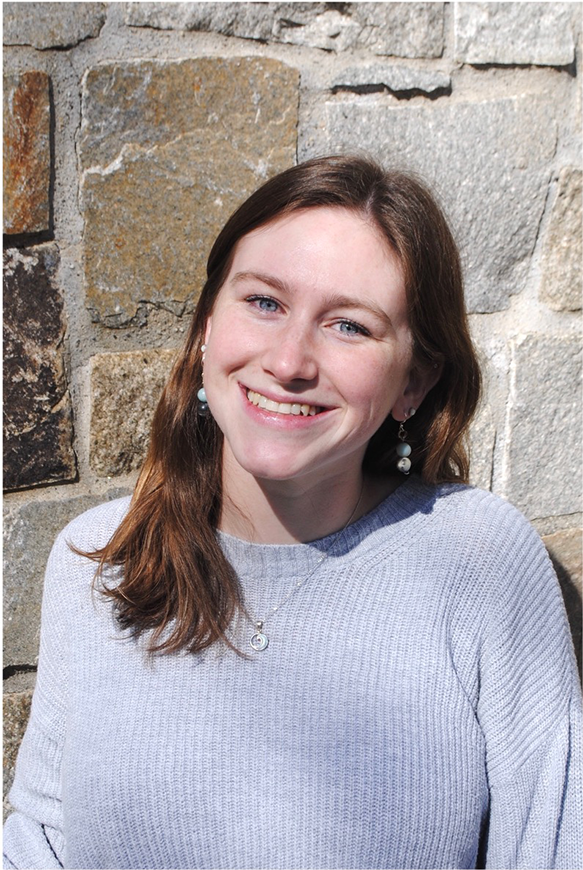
[
  {"x": 530, "y": 712},
  {"x": 33, "y": 834}
]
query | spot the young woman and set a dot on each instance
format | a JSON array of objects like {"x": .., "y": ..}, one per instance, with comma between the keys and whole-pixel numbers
[{"x": 312, "y": 645}]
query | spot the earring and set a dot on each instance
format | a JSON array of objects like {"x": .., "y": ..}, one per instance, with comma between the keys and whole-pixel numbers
[
  {"x": 202, "y": 408},
  {"x": 404, "y": 449}
]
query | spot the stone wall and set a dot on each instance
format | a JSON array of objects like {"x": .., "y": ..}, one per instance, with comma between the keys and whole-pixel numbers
[{"x": 133, "y": 129}]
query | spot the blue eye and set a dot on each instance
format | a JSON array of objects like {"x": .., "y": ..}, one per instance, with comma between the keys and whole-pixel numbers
[
  {"x": 264, "y": 303},
  {"x": 348, "y": 327}
]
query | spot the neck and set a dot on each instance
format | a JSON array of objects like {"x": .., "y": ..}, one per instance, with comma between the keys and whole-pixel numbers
[{"x": 288, "y": 512}]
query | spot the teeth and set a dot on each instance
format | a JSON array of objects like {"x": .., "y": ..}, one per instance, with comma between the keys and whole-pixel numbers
[{"x": 281, "y": 408}]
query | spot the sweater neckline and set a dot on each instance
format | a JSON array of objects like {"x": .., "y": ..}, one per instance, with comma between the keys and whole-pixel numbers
[{"x": 408, "y": 503}]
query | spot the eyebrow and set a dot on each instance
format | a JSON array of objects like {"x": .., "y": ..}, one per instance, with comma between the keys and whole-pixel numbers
[{"x": 335, "y": 300}]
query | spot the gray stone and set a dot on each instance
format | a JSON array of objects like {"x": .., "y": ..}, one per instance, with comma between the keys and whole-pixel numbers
[
  {"x": 399, "y": 29},
  {"x": 51, "y": 25},
  {"x": 494, "y": 194},
  {"x": 494, "y": 362},
  {"x": 169, "y": 150},
  {"x": 27, "y": 153},
  {"x": 482, "y": 438},
  {"x": 397, "y": 79},
  {"x": 566, "y": 552},
  {"x": 544, "y": 426},
  {"x": 514, "y": 33},
  {"x": 38, "y": 426},
  {"x": 29, "y": 533},
  {"x": 125, "y": 389},
  {"x": 245, "y": 20},
  {"x": 16, "y": 710},
  {"x": 561, "y": 280}
]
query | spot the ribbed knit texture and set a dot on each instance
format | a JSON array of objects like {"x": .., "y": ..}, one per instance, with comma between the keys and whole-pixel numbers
[{"x": 417, "y": 707}]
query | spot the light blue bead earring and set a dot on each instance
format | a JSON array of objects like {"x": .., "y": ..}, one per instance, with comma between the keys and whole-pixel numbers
[
  {"x": 202, "y": 408},
  {"x": 404, "y": 449}
]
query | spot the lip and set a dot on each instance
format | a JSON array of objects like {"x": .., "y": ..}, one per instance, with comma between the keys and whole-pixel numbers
[{"x": 289, "y": 419}]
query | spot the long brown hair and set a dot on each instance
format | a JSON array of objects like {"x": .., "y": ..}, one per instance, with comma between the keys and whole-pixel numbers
[{"x": 176, "y": 583}]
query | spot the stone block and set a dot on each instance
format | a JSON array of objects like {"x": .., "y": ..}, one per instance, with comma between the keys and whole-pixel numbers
[
  {"x": 51, "y": 25},
  {"x": 27, "y": 152},
  {"x": 482, "y": 439},
  {"x": 562, "y": 249},
  {"x": 16, "y": 710},
  {"x": 566, "y": 552},
  {"x": 397, "y": 79},
  {"x": 38, "y": 426},
  {"x": 125, "y": 389},
  {"x": 514, "y": 33},
  {"x": 169, "y": 149},
  {"x": 29, "y": 533},
  {"x": 544, "y": 426},
  {"x": 494, "y": 195},
  {"x": 398, "y": 29}
]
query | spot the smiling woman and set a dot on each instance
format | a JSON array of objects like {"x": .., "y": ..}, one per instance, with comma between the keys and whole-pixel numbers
[{"x": 313, "y": 644}]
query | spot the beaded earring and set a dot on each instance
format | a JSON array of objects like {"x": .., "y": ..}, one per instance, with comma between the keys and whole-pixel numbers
[
  {"x": 404, "y": 449},
  {"x": 202, "y": 408}
]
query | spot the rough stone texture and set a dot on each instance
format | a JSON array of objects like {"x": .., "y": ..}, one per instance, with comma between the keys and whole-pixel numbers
[
  {"x": 544, "y": 451},
  {"x": 38, "y": 426},
  {"x": 51, "y": 25},
  {"x": 481, "y": 447},
  {"x": 397, "y": 79},
  {"x": 27, "y": 152},
  {"x": 399, "y": 29},
  {"x": 29, "y": 533},
  {"x": 16, "y": 710},
  {"x": 169, "y": 150},
  {"x": 566, "y": 551},
  {"x": 125, "y": 389},
  {"x": 561, "y": 281},
  {"x": 494, "y": 194},
  {"x": 514, "y": 33}
]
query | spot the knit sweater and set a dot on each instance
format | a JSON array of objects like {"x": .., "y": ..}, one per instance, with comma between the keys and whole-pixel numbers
[{"x": 417, "y": 707}]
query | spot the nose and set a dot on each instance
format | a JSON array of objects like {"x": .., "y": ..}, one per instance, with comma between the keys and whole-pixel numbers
[{"x": 291, "y": 356}]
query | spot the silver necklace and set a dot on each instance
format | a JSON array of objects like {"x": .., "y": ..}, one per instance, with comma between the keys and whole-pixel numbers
[{"x": 259, "y": 640}]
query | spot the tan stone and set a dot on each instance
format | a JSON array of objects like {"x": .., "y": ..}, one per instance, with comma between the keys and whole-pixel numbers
[
  {"x": 27, "y": 153},
  {"x": 169, "y": 150},
  {"x": 125, "y": 389},
  {"x": 563, "y": 246},
  {"x": 16, "y": 710}
]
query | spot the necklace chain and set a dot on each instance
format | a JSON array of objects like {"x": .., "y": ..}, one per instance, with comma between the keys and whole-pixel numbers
[{"x": 259, "y": 641}]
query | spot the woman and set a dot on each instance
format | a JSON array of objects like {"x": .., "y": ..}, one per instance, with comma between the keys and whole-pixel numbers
[{"x": 318, "y": 659}]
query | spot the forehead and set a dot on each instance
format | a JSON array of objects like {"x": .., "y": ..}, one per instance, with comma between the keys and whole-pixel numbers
[{"x": 321, "y": 245}]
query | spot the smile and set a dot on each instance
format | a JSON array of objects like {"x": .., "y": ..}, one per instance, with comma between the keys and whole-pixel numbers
[{"x": 282, "y": 407}]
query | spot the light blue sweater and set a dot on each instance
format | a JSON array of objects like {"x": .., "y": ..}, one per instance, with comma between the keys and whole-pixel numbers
[{"x": 417, "y": 707}]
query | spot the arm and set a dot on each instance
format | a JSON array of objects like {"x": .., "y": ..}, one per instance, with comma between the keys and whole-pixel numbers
[
  {"x": 530, "y": 711},
  {"x": 33, "y": 835}
]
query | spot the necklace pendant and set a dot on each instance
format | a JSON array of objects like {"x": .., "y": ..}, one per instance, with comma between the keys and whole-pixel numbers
[{"x": 258, "y": 640}]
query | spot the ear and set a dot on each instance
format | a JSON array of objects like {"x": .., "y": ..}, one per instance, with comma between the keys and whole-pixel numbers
[
  {"x": 207, "y": 330},
  {"x": 421, "y": 380}
]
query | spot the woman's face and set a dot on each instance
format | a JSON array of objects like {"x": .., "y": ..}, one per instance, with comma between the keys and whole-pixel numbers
[{"x": 308, "y": 346}]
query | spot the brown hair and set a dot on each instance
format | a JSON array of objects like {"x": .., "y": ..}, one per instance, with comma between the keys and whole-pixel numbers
[{"x": 176, "y": 583}]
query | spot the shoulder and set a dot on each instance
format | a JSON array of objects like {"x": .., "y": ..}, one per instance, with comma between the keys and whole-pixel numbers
[
  {"x": 482, "y": 549},
  {"x": 481, "y": 518},
  {"x": 459, "y": 517},
  {"x": 91, "y": 529}
]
